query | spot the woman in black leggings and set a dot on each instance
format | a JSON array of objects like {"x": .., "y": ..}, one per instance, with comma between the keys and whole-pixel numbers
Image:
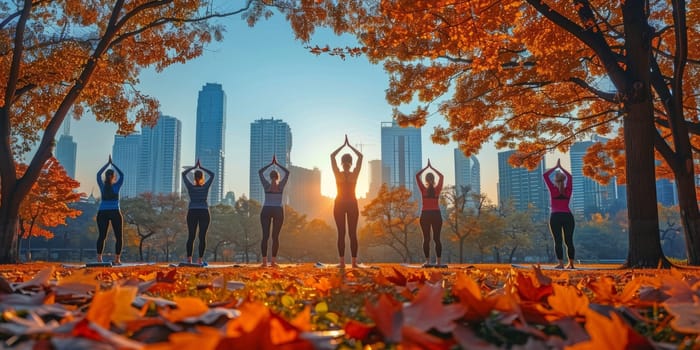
[
  {"x": 561, "y": 221},
  {"x": 109, "y": 211},
  {"x": 198, "y": 210},
  {"x": 430, "y": 216},
  {"x": 345, "y": 205},
  {"x": 272, "y": 213}
]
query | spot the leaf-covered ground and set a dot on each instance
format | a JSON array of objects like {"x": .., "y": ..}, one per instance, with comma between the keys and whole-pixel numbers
[{"x": 49, "y": 306}]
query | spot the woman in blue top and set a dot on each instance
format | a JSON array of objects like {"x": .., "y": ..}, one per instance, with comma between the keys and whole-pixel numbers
[
  {"x": 108, "y": 211},
  {"x": 198, "y": 210},
  {"x": 272, "y": 213}
]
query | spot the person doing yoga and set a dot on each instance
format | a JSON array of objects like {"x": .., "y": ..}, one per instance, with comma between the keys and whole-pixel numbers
[
  {"x": 272, "y": 213},
  {"x": 430, "y": 217},
  {"x": 561, "y": 221},
  {"x": 109, "y": 211},
  {"x": 345, "y": 205},
  {"x": 198, "y": 209}
]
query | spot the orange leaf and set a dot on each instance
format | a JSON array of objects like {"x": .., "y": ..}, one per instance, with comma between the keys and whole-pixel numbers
[
  {"x": 427, "y": 311},
  {"x": 186, "y": 307},
  {"x": 357, "y": 330},
  {"x": 606, "y": 333},
  {"x": 388, "y": 316},
  {"x": 205, "y": 338},
  {"x": 567, "y": 301},
  {"x": 529, "y": 291}
]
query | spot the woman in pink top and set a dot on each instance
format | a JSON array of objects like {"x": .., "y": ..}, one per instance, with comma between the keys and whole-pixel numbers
[
  {"x": 561, "y": 218},
  {"x": 430, "y": 216}
]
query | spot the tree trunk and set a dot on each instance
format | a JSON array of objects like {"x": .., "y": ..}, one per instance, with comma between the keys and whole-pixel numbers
[
  {"x": 690, "y": 216},
  {"x": 9, "y": 223},
  {"x": 644, "y": 244},
  {"x": 461, "y": 250}
]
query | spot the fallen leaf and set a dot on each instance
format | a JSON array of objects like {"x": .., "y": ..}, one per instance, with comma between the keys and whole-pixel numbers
[
  {"x": 388, "y": 315},
  {"x": 427, "y": 311}
]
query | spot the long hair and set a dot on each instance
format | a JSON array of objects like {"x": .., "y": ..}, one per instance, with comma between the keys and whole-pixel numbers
[
  {"x": 198, "y": 178},
  {"x": 430, "y": 178},
  {"x": 559, "y": 179},
  {"x": 108, "y": 190}
]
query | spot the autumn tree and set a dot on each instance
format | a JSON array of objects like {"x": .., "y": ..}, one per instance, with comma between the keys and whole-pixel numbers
[
  {"x": 219, "y": 233},
  {"x": 247, "y": 233},
  {"x": 462, "y": 219},
  {"x": 304, "y": 240},
  {"x": 141, "y": 216},
  {"x": 392, "y": 220},
  {"x": 86, "y": 57},
  {"x": 518, "y": 231},
  {"x": 539, "y": 75},
  {"x": 48, "y": 202}
]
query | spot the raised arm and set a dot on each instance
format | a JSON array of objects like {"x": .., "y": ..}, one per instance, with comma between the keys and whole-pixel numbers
[
  {"x": 185, "y": 173},
  {"x": 261, "y": 175},
  {"x": 419, "y": 178},
  {"x": 210, "y": 176},
  {"x": 358, "y": 162},
  {"x": 120, "y": 180},
  {"x": 334, "y": 161},
  {"x": 285, "y": 176},
  {"x": 100, "y": 182},
  {"x": 438, "y": 186}
]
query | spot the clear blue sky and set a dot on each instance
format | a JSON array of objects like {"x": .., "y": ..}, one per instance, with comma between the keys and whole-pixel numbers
[{"x": 266, "y": 73}]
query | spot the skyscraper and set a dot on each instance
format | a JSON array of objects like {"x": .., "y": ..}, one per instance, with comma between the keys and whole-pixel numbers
[
  {"x": 375, "y": 178},
  {"x": 304, "y": 189},
  {"x": 67, "y": 149},
  {"x": 401, "y": 156},
  {"x": 210, "y": 142},
  {"x": 521, "y": 186},
  {"x": 467, "y": 173},
  {"x": 268, "y": 137},
  {"x": 159, "y": 156},
  {"x": 666, "y": 192},
  {"x": 588, "y": 195},
  {"x": 150, "y": 160},
  {"x": 125, "y": 153}
]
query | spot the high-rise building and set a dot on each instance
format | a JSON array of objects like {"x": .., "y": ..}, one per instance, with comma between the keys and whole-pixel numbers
[
  {"x": 125, "y": 153},
  {"x": 150, "y": 160},
  {"x": 666, "y": 193},
  {"x": 159, "y": 156},
  {"x": 522, "y": 186},
  {"x": 401, "y": 156},
  {"x": 210, "y": 142},
  {"x": 268, "y": 137},
  {"x": 67, "y": 150},
  {"x": 304, "y": 189},
  {"x": 375, "y": 178},
  {"x": 467, "y": 173},
  {"x": 589, "y": 196}
]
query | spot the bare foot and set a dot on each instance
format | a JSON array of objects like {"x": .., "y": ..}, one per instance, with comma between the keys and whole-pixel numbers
[
  {"x": 263, "y": 264},
  {"x": 570, "y": 266},
  {"x": 560, "y": 266},
  {"x": 274, "y": 265}
]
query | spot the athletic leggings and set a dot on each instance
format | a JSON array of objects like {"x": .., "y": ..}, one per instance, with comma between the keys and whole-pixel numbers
[
  {"x": 340, "y": 210},
  {"x": 431, "y": 219},
  {"x": 559, "y": 222},
  {"x": 271, "y": 216},
  {"x": 201, "y": 218},
  {"x": 104, "y": 217}
]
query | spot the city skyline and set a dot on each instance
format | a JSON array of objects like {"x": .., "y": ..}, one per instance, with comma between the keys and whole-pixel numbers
[{"x": 322, "y": 98}]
